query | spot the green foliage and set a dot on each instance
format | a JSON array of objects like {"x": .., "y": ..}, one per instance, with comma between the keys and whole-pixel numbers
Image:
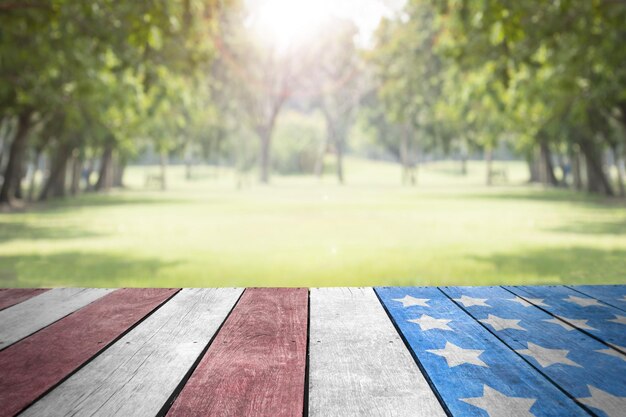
[
  {"x": 541, "y": 74},
  {"x": 113, "y": 72}
]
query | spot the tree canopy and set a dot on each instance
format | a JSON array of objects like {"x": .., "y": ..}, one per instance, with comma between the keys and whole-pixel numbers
[{"x": 89, "y": 86}]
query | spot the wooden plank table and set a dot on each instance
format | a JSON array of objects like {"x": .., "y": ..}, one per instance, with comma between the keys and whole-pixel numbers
[{"x": 389, "y": 351}]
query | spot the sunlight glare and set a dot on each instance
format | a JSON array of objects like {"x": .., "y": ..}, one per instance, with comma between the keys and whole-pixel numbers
[{"x": 286, "y": 23}]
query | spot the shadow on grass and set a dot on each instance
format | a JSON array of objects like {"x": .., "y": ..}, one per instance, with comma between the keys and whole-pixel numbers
[
  {"x": 550, "y": 195},
  {"x": 16, "y": 230},
  {"x": 575, "y": 265},
  {"x": 77, "y": 269},
  {"x": 67, "y": 204},
  {"x": 617, "y": 228},
  {"x": 104, "y": 200}
]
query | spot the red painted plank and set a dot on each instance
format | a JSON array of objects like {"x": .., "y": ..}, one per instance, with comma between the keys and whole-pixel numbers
[
  {"x": 255, "y": 366},
  {"x": 35, "y": 364},
  {"x": 12, "y": 296}
]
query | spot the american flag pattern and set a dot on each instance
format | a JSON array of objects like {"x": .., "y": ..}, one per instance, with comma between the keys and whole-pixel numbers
[{"x": 519, "y": 351}]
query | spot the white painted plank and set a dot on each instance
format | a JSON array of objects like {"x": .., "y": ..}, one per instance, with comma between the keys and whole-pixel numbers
[
  {"x": 137, "y": 375},
  {"x": 32, "y": 315},
  {"x": 358, "y": 363}
]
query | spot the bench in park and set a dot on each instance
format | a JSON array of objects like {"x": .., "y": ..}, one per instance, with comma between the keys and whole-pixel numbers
[{"x": 388, "y": 351}]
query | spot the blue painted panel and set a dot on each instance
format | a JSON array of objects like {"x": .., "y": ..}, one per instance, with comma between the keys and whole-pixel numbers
[
  {"x": 576, "y": 360},
  {"x": 613, "y": 295},
  {"x": 598, "y": 319},
  {"x": 495, "y": 376}
]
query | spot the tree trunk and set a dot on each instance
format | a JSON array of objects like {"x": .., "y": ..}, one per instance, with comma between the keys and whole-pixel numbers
[
  {"x": 7, "y": 127},
  {"x": 620, "y": 174},
  {"x": 163, "y": 170},
  {"x": 464, "y": 154},
  {"x": 77, "y": 165},
  {"x": 55, "y": 183},
  {"x": 339, "y": 152},
  {"x": 534, "y": 168},
  {"x": 404, "y": 155},
  {"x": 120, "y": 168},
  {"x": 19, "y": 192},
  {"x": 188, "y": 162},
  {"x": 33, "y": 177},
  {"x": 264, "y": 174},
  {"x": 188, "y": 171},
  {"x": 104, "y": 177},
  {"x": 597, "y": 181},
  {"x": 576, "y": 170},
  {"x": 87, "y": 175},
  {"x": 13, "y": 169},
  {"x": 464, "y": 164},
  {"x": 547, "y": 168},
  {"x": 489, "y": 163}
]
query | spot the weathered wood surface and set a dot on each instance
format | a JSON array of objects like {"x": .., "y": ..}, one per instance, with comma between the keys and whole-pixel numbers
[
  {"x": 35, "y": 364},
  {"x": 579, "y": 311},
  {"x": 12, "y": 296},
  {"x": 573, "y": 360},
  {"x": 462, "y": 351},
  {"x": 27, "y": 317},
  {"x": 256, "y": 365},
  {"x": 137, "y": 375},
  {"x": 472, "y": 370},
  {"x": 613, "y": 295},
  {"x": 359, "y": 365}
]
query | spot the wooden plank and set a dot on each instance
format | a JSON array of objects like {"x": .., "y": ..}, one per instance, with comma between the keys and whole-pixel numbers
[
  {"x": 256, "y": 365},
  {"x": 574, "y": 361},
  {"x": 613, "y": 295},
  {"x": 573, "y": 309},
  {"x": 358, "y": 363},
  {"x": 137, "y": 375},
  {"x": 472, "y": 370},
  {"x": 12, "y": 296},
  {"x": 34, "y": 314},
  {"x": 37, "y": 363}
]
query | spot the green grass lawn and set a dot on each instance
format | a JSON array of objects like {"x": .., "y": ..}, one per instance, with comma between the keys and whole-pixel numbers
[{"x": 449, "y": 229}]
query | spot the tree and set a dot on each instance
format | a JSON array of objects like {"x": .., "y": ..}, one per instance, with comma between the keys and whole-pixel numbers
[
  {"x": 337, "y": 77},
  {"x": 409, "y": 74}
]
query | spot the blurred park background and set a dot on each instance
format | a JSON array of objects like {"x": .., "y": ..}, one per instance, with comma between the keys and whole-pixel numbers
[{"x": 312, "y": 143}]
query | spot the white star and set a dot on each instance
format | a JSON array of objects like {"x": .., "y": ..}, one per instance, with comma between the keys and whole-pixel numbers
[
  {"x": 497, "y": 404},
  {"x": 622, "y": 299},
  {"x": 535, "y": 301},
  {"x": 613, "y": 352},
  {"x": 583, "y": 302},
  {"x": 469, "y": 301},
  {"x": 409, "y": 301},
  {"x": 427, "y": 323},
  {"x": 499, "y": 323},
  {"x": 612, "y": 405},
  {"x": 547, "y": 357},
  {"x": 456, "y": 356},
  {"x": 619, "y": 319},
  {"x": 581, "y": 324}
]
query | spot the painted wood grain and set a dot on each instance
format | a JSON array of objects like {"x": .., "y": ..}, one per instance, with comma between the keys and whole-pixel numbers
[
  {"x": 12, "y": 296},
  {"x": 256, "y": 365},
  {"x": 137, "y": 375},
  {"x": 358, "y": 364},
  {"x": 613, "y": 295},
  {"x": 34, "y": 314},
  {"x": 35, "y": 364},
  {"x": 573, "y": 360},
  {"x": 473, "y": 371},
  {"x": 579, "y": 311}
]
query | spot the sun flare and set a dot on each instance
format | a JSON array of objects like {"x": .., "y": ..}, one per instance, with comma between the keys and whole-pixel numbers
[{"x": 289, "y": 22}]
